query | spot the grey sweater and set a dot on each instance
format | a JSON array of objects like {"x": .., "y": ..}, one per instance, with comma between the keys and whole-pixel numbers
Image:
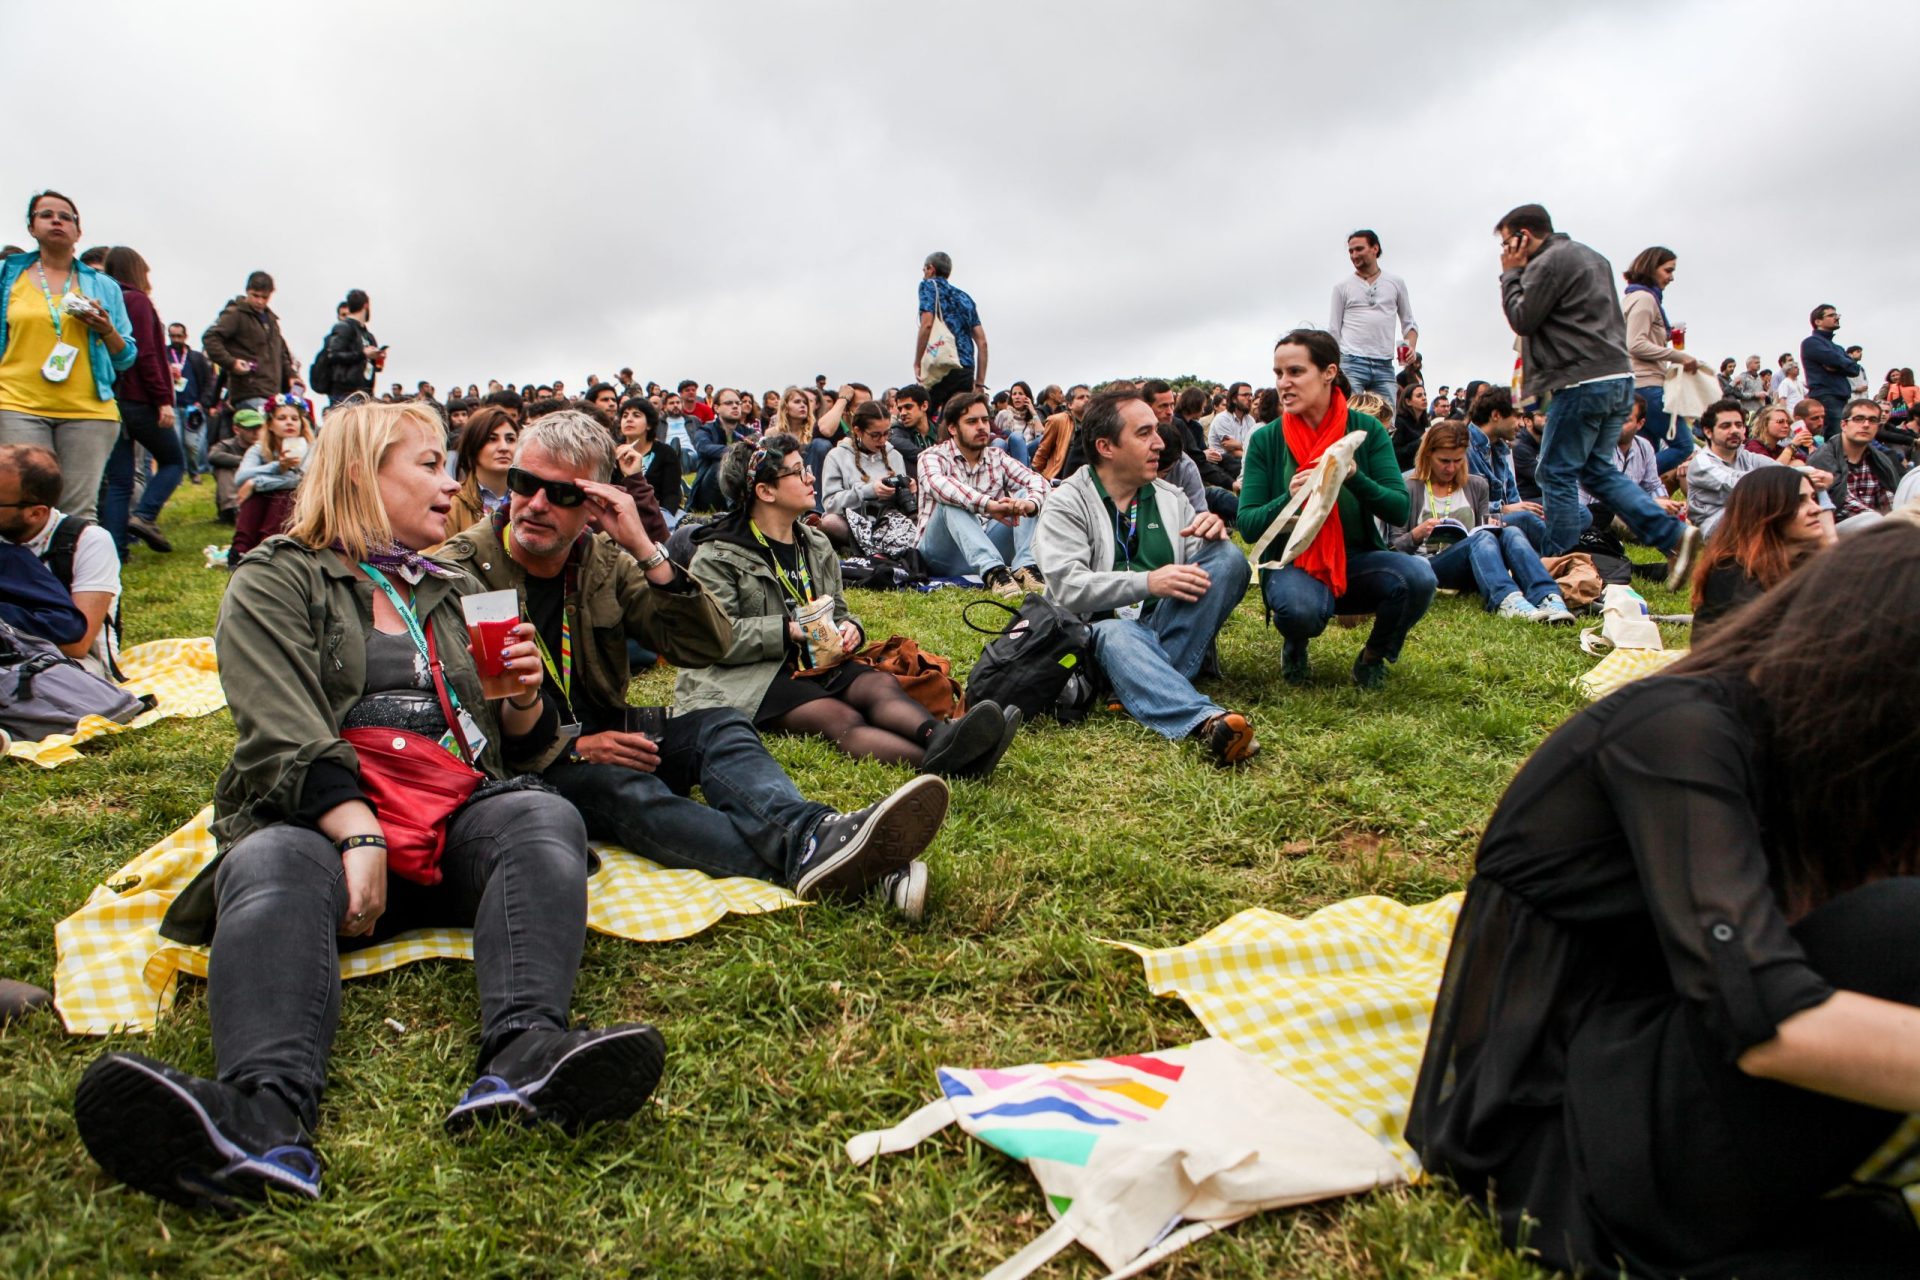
[
  {"x": 1073, "y": 545},
  {"x": 847, "y": 476},
  {"x": 1563, "y": 304},
  {"x": 1476, "y": 491}
]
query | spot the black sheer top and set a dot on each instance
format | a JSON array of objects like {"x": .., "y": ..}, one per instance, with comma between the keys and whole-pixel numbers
[{"x": 1628, "y": 859}]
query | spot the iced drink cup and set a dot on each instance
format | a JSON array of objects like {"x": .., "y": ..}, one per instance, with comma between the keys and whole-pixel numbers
[{"x": 491, "y": 618}]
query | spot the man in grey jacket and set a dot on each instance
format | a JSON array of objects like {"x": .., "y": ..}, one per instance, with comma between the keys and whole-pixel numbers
[
  {"x": 1558, "y": 295},
  {"x": 1126, "y": 548}
]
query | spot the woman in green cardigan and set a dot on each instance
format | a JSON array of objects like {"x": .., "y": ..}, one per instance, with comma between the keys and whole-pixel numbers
[{"x": 1347, "y": 569}]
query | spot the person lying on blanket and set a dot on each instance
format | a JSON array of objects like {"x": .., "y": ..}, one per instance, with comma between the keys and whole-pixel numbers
[
  {"x": 1682, "y": 1003},
  {"x": 340, "y": 629},
  {"x": 591, "y": 578}
]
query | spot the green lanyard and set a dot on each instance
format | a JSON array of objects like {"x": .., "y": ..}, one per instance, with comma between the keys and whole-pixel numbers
[
  {"x": 407, "y": 616},
  {"x": 53, "y": 309},
  {"x": 800, "y": 596},
  {"x": 563, "y": 673}
]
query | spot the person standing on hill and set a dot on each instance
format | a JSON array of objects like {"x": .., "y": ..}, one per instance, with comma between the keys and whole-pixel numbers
[
  {"x": 1371, "y": 313},
  {"x": 353, "y": 354},
  {"x": 246, "y": 342},
  {"x": 955, "y": 307}
]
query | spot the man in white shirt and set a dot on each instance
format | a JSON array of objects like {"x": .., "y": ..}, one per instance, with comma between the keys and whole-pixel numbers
[
  {"x": 1789, "y": 389},
  {"x": 1713, "y": 471},
  {"x": 79, "y": 552},
  {"x": 1227, "y": 433},
  {"x": 1371, "y": 311}
]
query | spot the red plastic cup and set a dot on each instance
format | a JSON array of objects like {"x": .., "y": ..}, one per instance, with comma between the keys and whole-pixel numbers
[
  {"x": 491, "y": 618},
  {"x": 1680, "y": 336}
]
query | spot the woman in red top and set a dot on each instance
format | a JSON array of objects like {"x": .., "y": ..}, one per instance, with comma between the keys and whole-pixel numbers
[{"x": 145, "y": 392}]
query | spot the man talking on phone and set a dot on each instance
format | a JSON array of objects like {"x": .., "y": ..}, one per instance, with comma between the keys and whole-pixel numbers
[
  {"x": 1558, "y": 295},
  {"x": 589, "y": 578}
]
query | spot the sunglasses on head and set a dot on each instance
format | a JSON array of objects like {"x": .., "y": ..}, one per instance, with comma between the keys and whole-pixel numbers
[{"x": 561, "y": 493}]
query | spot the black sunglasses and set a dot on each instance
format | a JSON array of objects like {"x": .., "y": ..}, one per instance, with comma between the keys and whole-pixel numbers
[{"x": 561, "y": 493}]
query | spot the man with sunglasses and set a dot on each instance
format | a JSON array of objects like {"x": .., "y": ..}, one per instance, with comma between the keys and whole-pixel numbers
[
  {"x": 590, "y": 578},
  {"x": 1864, "y": 477}
]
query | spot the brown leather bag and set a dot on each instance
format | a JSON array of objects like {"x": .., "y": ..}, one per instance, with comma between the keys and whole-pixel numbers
[
  {"x": 927, "y": 677},
  {"x": 1579, "y": 581}
]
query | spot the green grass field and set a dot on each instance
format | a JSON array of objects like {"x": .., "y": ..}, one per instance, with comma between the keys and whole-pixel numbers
[{"x": 790, "y": 1032}]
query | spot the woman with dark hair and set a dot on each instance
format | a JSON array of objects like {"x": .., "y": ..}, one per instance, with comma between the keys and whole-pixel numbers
[
  {"x": 1409, "y": 424},
  {"x": 481, "y": 457},
  {"x": 370, "y": 794},
  {"x": 1650, "y": 349},
  {"x": 1347, "y": 568},
  {"x": 767, "y": 567},
  {"x": 1679, "y": 1013},
  {"x": 145, "y": 393},
  {"x": 1447, "y": 511},
  {"x": 1017, "y": 426},
  {"x": 1266, "y": 406},
  {"x": 641, "y": 450},
  {"x": 1773, "y": 521}
]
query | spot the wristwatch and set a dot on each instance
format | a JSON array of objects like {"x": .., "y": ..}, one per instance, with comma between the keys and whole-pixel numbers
[{"x": 658, "y": 557}]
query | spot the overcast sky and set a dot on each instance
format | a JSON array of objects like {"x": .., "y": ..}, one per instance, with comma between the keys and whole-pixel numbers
[{"x": 744, "y": 192}]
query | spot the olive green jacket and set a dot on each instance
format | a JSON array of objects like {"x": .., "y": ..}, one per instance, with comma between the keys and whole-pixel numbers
[
  {"x": 682, "y": 622},
  {"x": 292, "y": 646},
  {"x": 744, "y": 584}
]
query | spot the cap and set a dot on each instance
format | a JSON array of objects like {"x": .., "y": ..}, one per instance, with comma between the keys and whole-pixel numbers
[{"x": 249, "y": 418}]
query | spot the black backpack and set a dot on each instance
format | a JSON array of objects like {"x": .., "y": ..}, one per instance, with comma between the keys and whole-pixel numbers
[
  {"x": 1040, "y": 660},
  {"x": 320, "y": 372},
  {"x": 59, "y": 562}
]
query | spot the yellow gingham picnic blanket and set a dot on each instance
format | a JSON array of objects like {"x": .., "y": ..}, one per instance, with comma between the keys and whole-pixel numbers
[
  {"x": 181, "y": 675},
  {"x": 114, "y": 972},
  {"x": 1337, "y": 1002}
]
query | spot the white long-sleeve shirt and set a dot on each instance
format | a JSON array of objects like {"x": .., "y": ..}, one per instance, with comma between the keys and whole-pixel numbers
[{"x": 1370, "y": 317}]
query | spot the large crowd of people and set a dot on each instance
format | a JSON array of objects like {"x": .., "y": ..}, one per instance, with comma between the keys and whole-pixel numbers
[{"x": 1660, "y": 923}]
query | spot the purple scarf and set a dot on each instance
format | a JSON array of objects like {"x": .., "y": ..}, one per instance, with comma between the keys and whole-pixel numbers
[
  {"x": 405, "y": 561},
  {"x": 1659, "y": 302}
]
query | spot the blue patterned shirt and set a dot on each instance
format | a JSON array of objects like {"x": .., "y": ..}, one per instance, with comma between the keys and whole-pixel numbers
[{"x": 957, "y": 309}]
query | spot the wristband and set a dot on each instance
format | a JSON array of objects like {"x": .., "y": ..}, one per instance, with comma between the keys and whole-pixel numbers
[
  {"x": 525, "y": 706},
  {"x": 360, "y": 842}
]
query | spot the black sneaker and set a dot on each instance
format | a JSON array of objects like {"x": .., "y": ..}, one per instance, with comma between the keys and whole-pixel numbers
[
  {"x": 1229, "y": 739},
  {"x": 571, "y": 1078},
  {"x": 849, "y": 853},
  {"x": 957, "y": 744},
  {"x": 148, "y": 532},
  {"x": 192, "y": 1141},
  {"x": 985, "y": 765},
  {"x": 906, "y": 891},
  {"x": 1293, "y": 662},
  {"x": 1369, "y": 675}
]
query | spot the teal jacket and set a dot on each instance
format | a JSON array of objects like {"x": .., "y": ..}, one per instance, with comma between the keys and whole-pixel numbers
[
  {"x": 1376, "y": 488},
  {"x": 103, "y": 289}
]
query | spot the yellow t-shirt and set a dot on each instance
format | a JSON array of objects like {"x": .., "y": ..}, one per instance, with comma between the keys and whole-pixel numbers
[{"x": 30, "y": 340}]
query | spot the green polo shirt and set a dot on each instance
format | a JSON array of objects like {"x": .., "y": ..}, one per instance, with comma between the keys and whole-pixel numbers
[{"x": 1149, "y": 546}]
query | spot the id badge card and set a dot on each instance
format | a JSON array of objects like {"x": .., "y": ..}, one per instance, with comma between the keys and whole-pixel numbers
[
  {"x": 476, "y": 740},
  {"x": 59, "y": 362},
  {"x": 1131, "y": 612}
]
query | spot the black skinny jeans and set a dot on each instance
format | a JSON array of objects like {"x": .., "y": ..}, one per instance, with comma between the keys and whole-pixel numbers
[{"x": 515, "y": 870}]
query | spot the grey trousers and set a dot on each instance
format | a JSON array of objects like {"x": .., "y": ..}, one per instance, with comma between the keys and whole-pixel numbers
[{"x": 81, "y": 444}]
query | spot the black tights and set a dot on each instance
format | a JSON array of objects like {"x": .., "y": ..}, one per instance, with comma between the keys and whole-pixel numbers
[{"x": 875, "y": 718}]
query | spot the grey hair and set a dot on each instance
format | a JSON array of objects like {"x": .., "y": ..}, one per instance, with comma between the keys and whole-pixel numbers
[
  {"x": 941, "y": 263},
  {"x": 574, "y": 436}
]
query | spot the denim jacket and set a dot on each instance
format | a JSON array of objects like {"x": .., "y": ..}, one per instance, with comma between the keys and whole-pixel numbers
[
  {"x": 1494, "y": 464},
  {"x": 103, "y": 289}
]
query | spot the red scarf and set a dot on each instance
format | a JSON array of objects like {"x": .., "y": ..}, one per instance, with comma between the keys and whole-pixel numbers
[{"x": 1326, "y": 557}]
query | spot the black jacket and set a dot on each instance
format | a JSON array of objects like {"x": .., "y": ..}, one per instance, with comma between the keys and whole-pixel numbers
[
  {"x": 1193, "y": 441},
  {"x": 347, "y": 357}
]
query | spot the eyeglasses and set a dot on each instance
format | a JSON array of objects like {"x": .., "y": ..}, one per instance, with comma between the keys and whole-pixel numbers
[
  {"x": 797, "y": 471},
  {"x": 1871, "y": 419},
  {"x": 58, "y": 215},
  {"x": 561, "y": 493}
]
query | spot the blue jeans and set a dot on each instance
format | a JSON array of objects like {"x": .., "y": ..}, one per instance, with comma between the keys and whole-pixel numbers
[
  {"x": 1396, "y": 588},
  {"x": 1672, "y": 440},
  {"x": 955, "y": 544},
  {"x": 1150, "y": 663},
  {"x": 1528, "y": 523},
  {"x": 191, "y": 424},
  {"x": 1372, "y": 373},
  {"x": 816, "y": 455},
  {"x": 1018, "y": 446},
  {"x": 755, "y": 822},
  {"x": 140, "y": 425},
  {"x": 1498, "y": 562},
  {"x": 1578, "y": 447}
]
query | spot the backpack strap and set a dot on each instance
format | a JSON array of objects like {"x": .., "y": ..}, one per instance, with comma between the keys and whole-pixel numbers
[{"x": 59, "y": 561}]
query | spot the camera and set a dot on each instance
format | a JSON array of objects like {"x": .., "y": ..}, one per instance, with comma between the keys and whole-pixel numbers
[{"x": 903, "y": 498}]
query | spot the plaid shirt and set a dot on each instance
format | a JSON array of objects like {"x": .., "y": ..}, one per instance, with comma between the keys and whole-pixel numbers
[
  {"x": 1864, "y": 492},
  {"x": 946, "y": 478}
]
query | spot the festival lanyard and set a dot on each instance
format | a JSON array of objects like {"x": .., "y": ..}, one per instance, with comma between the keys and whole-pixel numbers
[
  {"x": 450, "y": 700},
  {"x": 1434, "y": 511},
  {"x": 1125, "y": 542},
  {"x": 803, "y": 592},
  {"x": 563, "y": 673},
  {"x": 53, "y": 309}
]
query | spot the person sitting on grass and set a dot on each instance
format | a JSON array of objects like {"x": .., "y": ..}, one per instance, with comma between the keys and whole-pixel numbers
[
  {"x": 1865, "y": 476},
  {"x": 78, "y": 552},
  {"x": 1348, "y": 568},
  {"x": 481, "y": 457},
  {"x": 269, "y": 475},
  {"x": 765, "y": 565},
  {"x": 1678, "y": 1019},
  {"x": 303, "y": 870},
  {"x": 1772, "y": 522},
  {"x": 1713, "y": 472},
  {"x": 865, "y": 488},
  {"x": 641, "y": 451},
  {"x": 1121, "y": 545},
  {"x": 978, "y": 505},
  {"x": 224, "y": 457},
  {"x": 593, "y": 579},
  {"x": 1448, "y": 510}
]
